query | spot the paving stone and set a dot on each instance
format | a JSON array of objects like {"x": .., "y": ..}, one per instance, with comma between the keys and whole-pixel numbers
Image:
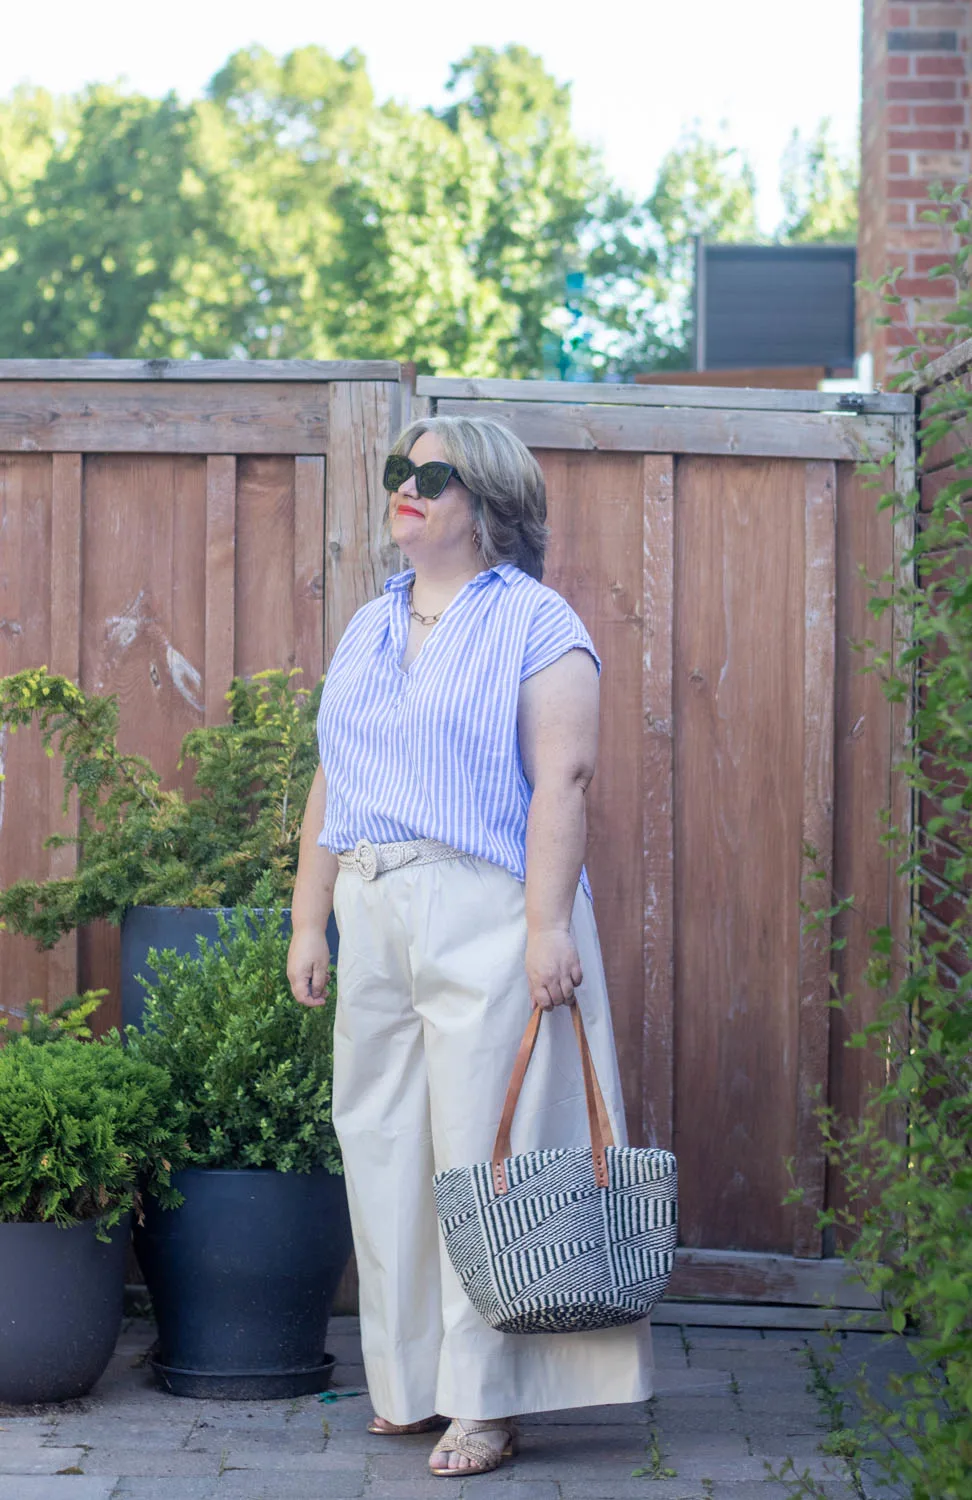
[
  {"x": 784, "y": 1383},
  {"x": 29, "y": 1441},
  {"x": 698, "y": 1418},
  {"x": 122, "y": 1432},
  {"x": 341, "y": 1485},
  {"x": 499, "y": 1483},
  {"x": 272, "y": 1462},
  {"x": 740, "y": 1360},
  {"x": 803, "y": 1448},
  {"x": 165, "y": 1489},
  {"x": 766, "y": 1489},
  {"x": 233, "y": 1413},
  {"x": 770, "y": 1423},
  {"x": 630, "y": 1415},
  {"x": 33, "y": 1458},
  {"x": 256, "y": 1441},
  {"x": 355, "y": 1444},
  {"x": 692, "y": 1467},
  {"x": 152, "y": 1463},
  {"x": 627, "y": 1489},
  {"x": 13, "y": 1429},
  {"x": 66, "y": 1487},
  {"x": 723, "y": 1338},
  {"x": 410, "y": 1489},
  {"x": 689, "y": 1386},
  {"x": 713, "y": 1448}
]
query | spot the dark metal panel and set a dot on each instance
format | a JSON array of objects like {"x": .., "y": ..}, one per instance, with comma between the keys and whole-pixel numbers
[{"x": 776, "y": 305}]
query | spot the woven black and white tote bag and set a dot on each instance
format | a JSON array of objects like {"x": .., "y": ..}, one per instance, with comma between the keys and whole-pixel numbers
[{"x": 556, "y": 1241}]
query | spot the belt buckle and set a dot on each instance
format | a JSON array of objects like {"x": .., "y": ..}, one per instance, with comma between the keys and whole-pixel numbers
[{"x": 366, "y": 859}]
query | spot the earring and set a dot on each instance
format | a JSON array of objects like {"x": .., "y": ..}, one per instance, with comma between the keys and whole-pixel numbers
[{"x": 477, "y": 539}]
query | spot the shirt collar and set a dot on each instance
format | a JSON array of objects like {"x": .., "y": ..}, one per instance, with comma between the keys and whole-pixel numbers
[{"x": 505, "y": 571}]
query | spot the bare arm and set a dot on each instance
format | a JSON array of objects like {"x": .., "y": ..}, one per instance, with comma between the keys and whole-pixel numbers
[
  {"x": 317, "y": 870},
  {"x": 557, "y": 724}
]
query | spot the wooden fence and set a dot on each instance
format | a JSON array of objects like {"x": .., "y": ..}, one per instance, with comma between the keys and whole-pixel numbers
[{"x": 164, "y": 526}]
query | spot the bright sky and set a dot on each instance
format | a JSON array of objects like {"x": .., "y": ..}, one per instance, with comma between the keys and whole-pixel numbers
[{"x": 640, "y": 69}]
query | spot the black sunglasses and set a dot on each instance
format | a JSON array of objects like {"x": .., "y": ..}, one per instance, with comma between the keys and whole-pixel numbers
[{"x": 430, "y": 479}]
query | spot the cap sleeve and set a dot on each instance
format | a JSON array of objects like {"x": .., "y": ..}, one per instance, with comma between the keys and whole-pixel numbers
[{"x": 554, "y": 629}]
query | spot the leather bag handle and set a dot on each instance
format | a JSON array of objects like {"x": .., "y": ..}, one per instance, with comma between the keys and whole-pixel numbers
[{"x": 597, "y": 1116}]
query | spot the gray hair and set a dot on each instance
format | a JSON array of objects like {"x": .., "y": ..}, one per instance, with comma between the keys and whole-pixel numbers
[{"x": 509, "y": 496}]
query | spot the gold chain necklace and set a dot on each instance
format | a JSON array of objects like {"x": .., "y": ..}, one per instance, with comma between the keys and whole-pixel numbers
[{"x": 422, "y": 619}]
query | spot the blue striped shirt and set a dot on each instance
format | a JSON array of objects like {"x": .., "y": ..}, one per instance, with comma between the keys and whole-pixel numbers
[{"x": 433, "y": 752}]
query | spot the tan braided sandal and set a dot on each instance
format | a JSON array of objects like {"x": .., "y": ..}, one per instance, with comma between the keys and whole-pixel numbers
[
  {"x": 459, "y": 1438},
  {"x": 391, "y": 1429}
]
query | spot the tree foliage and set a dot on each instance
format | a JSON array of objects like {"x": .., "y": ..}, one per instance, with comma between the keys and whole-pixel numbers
[
  {"x": 288, "y": 214},
  {"x": 819, "y": 189}
]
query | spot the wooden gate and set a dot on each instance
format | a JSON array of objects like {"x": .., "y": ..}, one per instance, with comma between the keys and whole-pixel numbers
[
  {"x": 164, "y": 525},
  {"x": 710, "y": 540}
]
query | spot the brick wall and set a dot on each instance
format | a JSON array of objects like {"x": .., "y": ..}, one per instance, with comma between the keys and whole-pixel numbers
[{"x": 914, "y": 131}]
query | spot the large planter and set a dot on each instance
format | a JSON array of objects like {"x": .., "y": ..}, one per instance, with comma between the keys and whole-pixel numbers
[
  {"x": 145, "y": 927},
  {"x": 61, "y": 1296},
  {"x": 241, "y": 1279}
]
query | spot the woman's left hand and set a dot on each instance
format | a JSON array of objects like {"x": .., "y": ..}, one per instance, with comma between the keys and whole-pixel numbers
[{"x": 553, "y": 967}]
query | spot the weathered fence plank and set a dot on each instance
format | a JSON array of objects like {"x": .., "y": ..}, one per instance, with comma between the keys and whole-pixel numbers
[
  {"x": 363, "y": 418},
  {"x": 200, "y": 370},
  {"x": 220, "y": 584},
  {"x": 658, "y": 798},
  {"x": 739, "y": 778},
  {"x": 65, "y": 659},
  {"x": 32, "y": 784},
  {"x": 309, "y": 568},
  {"x": 166, "y": 417},
  {"x": 730, "y": 433},
  {"x": 696, "y": 397},
  {"x": 596, "y": 560},
  {"x": 819, "y": 600}
]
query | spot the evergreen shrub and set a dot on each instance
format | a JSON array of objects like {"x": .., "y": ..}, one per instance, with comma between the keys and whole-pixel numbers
[
  {"x": 250, "y": 1068},
  {"x": 81, "y": 1123},
  {"x": 140, "y": 844}
]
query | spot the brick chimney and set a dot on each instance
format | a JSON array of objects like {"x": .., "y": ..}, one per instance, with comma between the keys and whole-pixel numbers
[{"x": 914, "y": 131}]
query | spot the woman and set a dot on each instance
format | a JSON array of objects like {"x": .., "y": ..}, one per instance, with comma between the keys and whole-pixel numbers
[{"x": 446, "y": 822}]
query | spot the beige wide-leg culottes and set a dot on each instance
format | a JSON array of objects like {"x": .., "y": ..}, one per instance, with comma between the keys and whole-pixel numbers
[{"x": 432, "y": 1003}]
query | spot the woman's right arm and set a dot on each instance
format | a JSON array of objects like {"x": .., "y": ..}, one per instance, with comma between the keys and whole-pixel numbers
[{"x": 317, "y": 870}]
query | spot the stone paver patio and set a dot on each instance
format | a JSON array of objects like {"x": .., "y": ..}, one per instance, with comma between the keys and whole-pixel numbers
[{"x": 727, "y": 1401}]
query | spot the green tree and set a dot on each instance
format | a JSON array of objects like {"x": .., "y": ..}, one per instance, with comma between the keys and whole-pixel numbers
[
  {"x": 31, "y": 120},
  {"x": 280, "y": 137},
  {"x": 819, "y": 189},
  {"x": 286, "y": 215},
  {"x": 93, "y": 220}
]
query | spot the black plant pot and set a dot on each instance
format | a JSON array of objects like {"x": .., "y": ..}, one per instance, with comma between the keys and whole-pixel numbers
[
  {"x": 61, "y": 1294},
  {"x": 145, "y": 927},
  {"x": 241, "y": 1279}
]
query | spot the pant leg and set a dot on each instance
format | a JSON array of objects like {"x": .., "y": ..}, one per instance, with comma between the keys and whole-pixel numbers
[
  {"x": 381, "y": 1117},
  {"x": 467, "y": 936}
]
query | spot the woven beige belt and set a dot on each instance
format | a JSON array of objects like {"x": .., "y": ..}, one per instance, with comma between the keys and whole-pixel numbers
[{"x": 372, "y": 860}]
